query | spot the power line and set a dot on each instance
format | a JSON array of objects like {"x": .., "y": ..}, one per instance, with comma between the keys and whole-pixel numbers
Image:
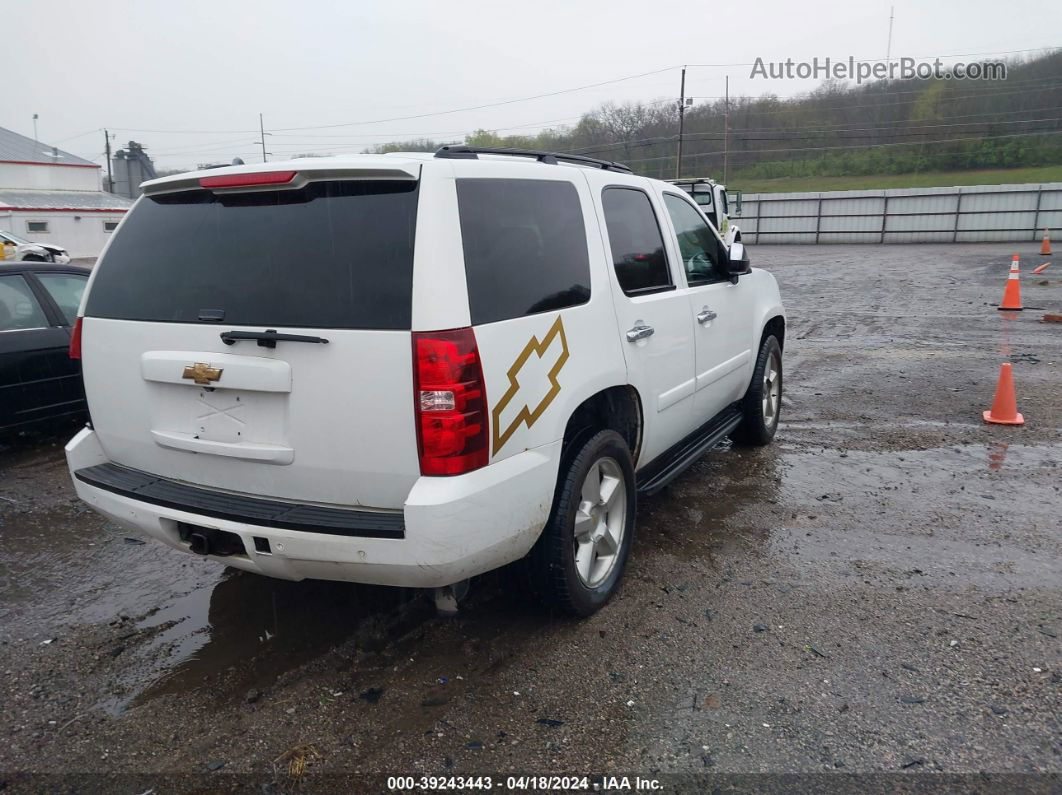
[
  {"x": 799, "y": 106},
  {"x": 481, "y": 107},
  {"x": 499, "y": 103},
  {"x": 874, "y": 89},
  {"x": 502, "y": 103},
  {"x": 79, "y": 135},
  {"x": 883, "y": 60},
  {"x": 785, "y": 135},
  {"x": 345, "y": 143},
  {"x": 858, "y": 146}
]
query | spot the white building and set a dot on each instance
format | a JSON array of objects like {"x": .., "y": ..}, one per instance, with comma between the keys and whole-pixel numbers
[{"x": 51, "y": 196}]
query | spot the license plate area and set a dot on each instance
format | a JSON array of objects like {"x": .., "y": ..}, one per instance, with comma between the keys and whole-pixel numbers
[{"x": 229, "y": 416}]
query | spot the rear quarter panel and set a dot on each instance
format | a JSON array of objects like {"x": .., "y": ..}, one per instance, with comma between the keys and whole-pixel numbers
[{"x": 539, "y": 368}]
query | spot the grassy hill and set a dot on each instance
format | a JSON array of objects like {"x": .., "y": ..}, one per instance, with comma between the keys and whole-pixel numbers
[
  {"x": 882, "y": 134},
  {"x": 926, "y": 179}
]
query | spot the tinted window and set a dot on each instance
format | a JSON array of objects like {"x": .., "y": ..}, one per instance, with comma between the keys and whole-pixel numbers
[
  {"x": 65, "y": 289},
  {"x": 701, "y": 193},
  {"x": 525, "y": 247},
  {"x": 18, "y": 306},
  {"x": 634, "y": 236},
  {"x": 331, "y": 255},
  {"x": 697, "y": 243}
]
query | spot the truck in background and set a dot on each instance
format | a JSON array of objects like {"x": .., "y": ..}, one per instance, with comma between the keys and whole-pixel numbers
[{"x": 714, "y": 203}]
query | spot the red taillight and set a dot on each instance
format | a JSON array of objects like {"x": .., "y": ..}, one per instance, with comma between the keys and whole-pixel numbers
[
  {"x": 248, "y": 180},
  {"x": 75, "y": 340},
  {"x": 450, "y": 402}
]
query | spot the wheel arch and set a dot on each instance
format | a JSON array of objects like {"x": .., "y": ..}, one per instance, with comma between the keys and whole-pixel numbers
[
  {"x": 617, "y": 408},
  {"x": 774, "y": 325}
]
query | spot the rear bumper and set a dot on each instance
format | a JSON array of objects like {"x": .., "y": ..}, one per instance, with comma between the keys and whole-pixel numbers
[{"x": 455, "y": 527}]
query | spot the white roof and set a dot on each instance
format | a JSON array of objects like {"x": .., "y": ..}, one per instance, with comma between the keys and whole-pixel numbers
[
  {"x": 96, "y": 200},
  {"x": 19, "y": 148}
]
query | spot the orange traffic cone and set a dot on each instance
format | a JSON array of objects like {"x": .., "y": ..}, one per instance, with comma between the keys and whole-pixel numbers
[
  {"x": 1045, "y": 247},
  {"x": 1012, "y": 293},
  {"x": 1005, "y": 405},
  {"x": 1040, "y": 269}
]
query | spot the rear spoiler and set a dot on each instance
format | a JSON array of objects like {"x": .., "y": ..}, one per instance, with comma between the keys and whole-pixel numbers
[{"x": 268, "y": 177}]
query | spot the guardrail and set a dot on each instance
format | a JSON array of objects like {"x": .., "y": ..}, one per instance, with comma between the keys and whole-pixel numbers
[{"x": 975, "y": 213}]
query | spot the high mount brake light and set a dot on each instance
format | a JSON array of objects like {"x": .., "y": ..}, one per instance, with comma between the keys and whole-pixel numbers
[
  {"x": 75, "y": 340},
  {"x": 451, "y": 402},
  {"x": 248, "y": 180}
]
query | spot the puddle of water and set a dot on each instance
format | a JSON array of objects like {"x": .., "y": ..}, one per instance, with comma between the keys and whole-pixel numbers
[
  {"x": 694, "y": 516},
  {"x": 941, "y": 512},
  {"x": 247, "y": 630},
  {"x": 939, "y": 508},
  {"x": 64, "y": 567}
]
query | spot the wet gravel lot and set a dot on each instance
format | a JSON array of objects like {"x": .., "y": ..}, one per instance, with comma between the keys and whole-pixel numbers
[{"x": 879, "y": 592}]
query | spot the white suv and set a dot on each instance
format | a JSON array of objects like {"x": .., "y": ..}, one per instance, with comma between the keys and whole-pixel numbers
[{"x": 410, "y": 369}]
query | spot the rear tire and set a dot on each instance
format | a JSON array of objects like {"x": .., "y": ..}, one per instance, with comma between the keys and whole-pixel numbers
[
  {"x": 578, "y": 561},
  {"x": 762, "y": 403}
]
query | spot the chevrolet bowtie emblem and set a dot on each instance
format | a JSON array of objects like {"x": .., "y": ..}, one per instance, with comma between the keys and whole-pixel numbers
[
  {"x": 513, "y": 410},
  {"x": 201, "y": 373}
]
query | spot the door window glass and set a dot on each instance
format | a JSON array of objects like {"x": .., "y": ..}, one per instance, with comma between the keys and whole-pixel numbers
[
  {"x": 636, "y": 243},
  {"x": 18, "y": 306},
  {"x": 697, "y": 243},
  {"x": 65, "y": 289}
]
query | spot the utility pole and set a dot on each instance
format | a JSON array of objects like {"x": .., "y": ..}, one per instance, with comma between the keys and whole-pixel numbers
[
  {"x": 726, "y": 127},
  {"x": 261, "y": 129},
  {"x": 888, "y": 47},
  {"x": 107, "y": 149},
  {"x": 682, "y": 119}
]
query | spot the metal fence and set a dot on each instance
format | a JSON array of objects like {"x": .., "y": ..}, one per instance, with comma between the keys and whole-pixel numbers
[{"x": 975, "y": 213}]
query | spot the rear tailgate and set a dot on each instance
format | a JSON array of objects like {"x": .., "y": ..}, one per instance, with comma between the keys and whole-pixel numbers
[{"x": 325, "y": 419}]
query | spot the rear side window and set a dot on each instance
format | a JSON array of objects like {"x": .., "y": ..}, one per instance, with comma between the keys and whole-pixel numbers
[
  {"x": 634, "y": 236},
  {"x": 525, "y": 247},
  {"x": 702, "y": 194},
  {"x": 65, "y": 289},
  {"x": 19, "y": 309},
  {"x": 330, "y": 255}
]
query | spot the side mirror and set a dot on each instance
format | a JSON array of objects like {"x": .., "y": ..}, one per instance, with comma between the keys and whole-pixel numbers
[
  {"x": 735, "y": 203},
  {"x": 738, "y": 262}
]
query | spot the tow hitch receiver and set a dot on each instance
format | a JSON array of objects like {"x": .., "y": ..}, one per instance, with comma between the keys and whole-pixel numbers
[{"x": 210, "y": 540}]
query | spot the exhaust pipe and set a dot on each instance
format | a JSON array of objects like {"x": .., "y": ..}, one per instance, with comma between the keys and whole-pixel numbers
[
  {"x": 210, "y": 540},
  {"x": 199, "y": 543}
]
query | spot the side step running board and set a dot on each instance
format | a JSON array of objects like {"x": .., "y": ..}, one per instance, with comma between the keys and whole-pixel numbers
[{"x": 672, "y": 463}]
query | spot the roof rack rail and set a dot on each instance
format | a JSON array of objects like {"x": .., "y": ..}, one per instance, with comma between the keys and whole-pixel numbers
[{"x": 464, "y": 152}]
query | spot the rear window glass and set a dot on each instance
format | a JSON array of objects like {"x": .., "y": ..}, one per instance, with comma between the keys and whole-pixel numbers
[
  {"x": 634, "y": 237},
  {"x": 330, "y": 255},
  {"x": 525, "y": 247}
]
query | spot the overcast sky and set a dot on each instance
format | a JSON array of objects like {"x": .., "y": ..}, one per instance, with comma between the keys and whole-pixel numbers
[{"x": 188, "y": 79}]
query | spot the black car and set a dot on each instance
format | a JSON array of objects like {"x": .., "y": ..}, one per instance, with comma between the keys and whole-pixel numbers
[{"x": 38, "y": 306}]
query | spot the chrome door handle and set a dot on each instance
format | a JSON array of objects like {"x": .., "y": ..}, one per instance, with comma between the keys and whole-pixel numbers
[
  {"x": 705, "y": 315},
  {"x": 639, "y": 333}
]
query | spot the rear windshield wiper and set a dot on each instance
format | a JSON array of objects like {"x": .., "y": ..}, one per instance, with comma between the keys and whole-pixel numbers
[{"x": 268, "y": 338}]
